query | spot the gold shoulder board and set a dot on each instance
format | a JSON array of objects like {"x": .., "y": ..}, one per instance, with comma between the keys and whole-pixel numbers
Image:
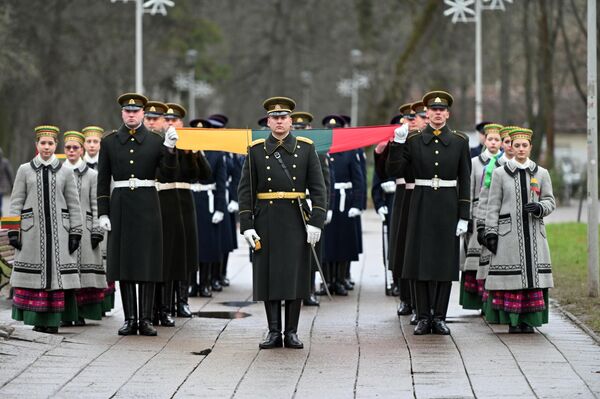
[
  {"x": 256, "y": 142},
  {"x": 305, "y": 139}
]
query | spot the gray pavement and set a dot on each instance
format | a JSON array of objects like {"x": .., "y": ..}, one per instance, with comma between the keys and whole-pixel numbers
[{"x": 355, "y": 346}]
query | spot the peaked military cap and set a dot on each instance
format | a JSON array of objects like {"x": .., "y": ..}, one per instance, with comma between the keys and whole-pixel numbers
[
  {"x": 492, "y": 128},
  {"x": 418, "y": 107},
  {"x": 438, "y": 99},
  {"x": 347, "y": 119},
  {"x": 132, "y": 101},
  {"x": 46, "y": 131},
  {"x": 218, "y": 120},
  {"x": 199, "y": 122},
  {"x": 404, "y": 109},
  {"x": 301, "y": 118},
  {"x": 279, "y": 106},
  {"x": 333, "y": 121},
  {"x": 262, "y": 122},
  {"x": 520, "y": 133},
  {"x": 90, "y": 131},
  {"x": 174, "y": 111},
  {"x": 396, "y": 120},
  {"x": 154, "y": 109},
  {"x": 73, "y": 135}
]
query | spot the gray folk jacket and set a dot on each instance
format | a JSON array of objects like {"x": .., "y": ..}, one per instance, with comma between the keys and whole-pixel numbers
[
  {"x": 91, "y": 269},
  {"x": 46, "y": 199},
  {"x": 522, "y": 260}
]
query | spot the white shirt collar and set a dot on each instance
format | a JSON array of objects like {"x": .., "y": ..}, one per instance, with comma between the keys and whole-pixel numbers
[{"x": 48, "y": 162}]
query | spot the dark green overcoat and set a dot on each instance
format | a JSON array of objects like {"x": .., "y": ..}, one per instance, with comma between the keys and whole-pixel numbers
[{"x": 281, "y": 268}]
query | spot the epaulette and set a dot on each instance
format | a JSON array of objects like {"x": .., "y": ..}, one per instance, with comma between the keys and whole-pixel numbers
[
  {"x": 460, "y": 134},
  {"x": 109, "y": 133},
  {"x": 305, "y": 139},
  {"x": 413, "y": 133},
  {"x": 257, "y": 141}
]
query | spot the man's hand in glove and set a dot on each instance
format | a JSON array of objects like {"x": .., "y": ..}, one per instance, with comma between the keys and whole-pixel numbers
[
  {"x": 353, "y": 212},
  {"x": 104, "y": 223},
  {"x": 217, "y": 217},
  {"x": 251, "y": 236},
  {"x": 382, "y": 212},
  {"x": 313, "y": 234},
  {"x": 329, "y": 216}
]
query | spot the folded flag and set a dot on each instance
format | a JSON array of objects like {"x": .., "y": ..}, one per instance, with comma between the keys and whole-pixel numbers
[
  {"x": 10, "y": 222},
  {"x": 325, "y": 140}
]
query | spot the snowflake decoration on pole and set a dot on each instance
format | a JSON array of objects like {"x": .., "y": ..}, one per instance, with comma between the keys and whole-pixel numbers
[
  {"x": 460, "y": 10},
  {"x": 495, "y": 4}
]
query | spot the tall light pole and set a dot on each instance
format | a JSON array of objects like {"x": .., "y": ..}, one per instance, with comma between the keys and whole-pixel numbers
[
  {"x": 151, "y": 7},
  {"x": 191, "y": 56},
  {"x": 592, "y": 165},
  {"x": 306, "y": 78},
  {"x": 461, "y": 11},
  {"x": 355, "y": 58}
]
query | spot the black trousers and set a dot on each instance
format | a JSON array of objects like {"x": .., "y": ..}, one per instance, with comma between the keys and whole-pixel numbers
[{"x": 432, "y": 298}]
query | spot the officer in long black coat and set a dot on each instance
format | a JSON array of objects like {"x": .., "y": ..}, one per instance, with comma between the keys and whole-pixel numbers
[
  {"x": 439, "y": 208},
  {"x": 277, "y": 172},
  {"x": 131, "y": 157}
]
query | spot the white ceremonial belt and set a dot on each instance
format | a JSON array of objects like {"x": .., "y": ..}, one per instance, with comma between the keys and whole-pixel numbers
[
  {"x": 343, "y": 186},
  {"x": 409, "y": 186},
  {"x": 209, "y": 188},
  {"x": 400, "y": 181},
  {"x": 134, "y": 183},
  {"x": 436, "y": 183},
  {"x": 172, "y": 186}
]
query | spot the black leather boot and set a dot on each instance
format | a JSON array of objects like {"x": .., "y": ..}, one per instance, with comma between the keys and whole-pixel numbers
[
  {"x": 128, "y": 298},
  {"x": 183, "y": 308},
  {"x": 146, "y": 303},
  {"x": 423, "y": 308},
  {"x": 347, "y": 280},
  {"x": 215, "y": 277},
  {"x": 340, "y": 278},
  {"x": 205, "y": 280},
  {"x": 292, "y": 315},
  {"x": 194, "y": 287},
  {"x": 312, "y": 299},
  {"x": 404, "y": 309},
  {"x": 224, "y": 280},
  {"x": 166, "y": 304},
  {"x": 440, "y": 308},
  {"x": 273, "y": 340}
]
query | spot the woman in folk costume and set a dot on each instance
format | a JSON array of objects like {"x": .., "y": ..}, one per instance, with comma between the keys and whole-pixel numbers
[
  {"x": 482, "y": 167},
  {"x": 45, "y": 272},
  {"x": 484, "y": 257},
  {"x": 520, "y": 269},
  {"x": 90, "y": 298},
  {"x": 93, "y": 138}
]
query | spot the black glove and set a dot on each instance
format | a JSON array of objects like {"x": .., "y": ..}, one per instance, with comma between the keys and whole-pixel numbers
[
  {"x": 481, "y": 236},
  {"x": 74, "y": 242},
  {"x": 491, "y": 242},
  {"x": 13, "y": 239},
  {"x": 534, "y": 208},
  {"x": 96, "y": 238}
]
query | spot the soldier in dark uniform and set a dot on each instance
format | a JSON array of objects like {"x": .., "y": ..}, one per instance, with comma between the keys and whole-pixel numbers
[
  {"x": 341, "y": 245},
  {"x": 301, "y": 121},
  {"x": 131, "y": 156},
  {"x": 276, "y": 174},
  {"x": 475, "y": 151},
  {"x": 439, "y": 208}
]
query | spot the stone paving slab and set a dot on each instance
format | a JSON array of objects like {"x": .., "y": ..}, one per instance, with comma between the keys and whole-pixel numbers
[{"x": 355, "y": 346}]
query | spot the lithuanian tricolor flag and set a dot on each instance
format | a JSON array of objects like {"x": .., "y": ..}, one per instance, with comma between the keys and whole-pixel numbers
[
  {"x": 326, "y": 140},
  {"x": 10, "y": 222}
]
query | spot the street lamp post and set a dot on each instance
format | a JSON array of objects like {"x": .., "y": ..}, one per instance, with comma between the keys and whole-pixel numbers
[
  {"x": 350, "y": 87},
  {"x": 306, "y": 78},
  {"x": 461, "y": 11},
  {"x": 152, "y": 7},
  {"x": 191, "y": 57}
]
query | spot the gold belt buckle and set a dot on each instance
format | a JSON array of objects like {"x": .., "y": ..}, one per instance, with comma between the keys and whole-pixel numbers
[
  {"x": 435, "y": 183},
  {"x": 280, "y": 194}
]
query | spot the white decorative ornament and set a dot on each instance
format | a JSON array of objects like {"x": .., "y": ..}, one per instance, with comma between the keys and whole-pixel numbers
[{"x": 158, "y": 6}]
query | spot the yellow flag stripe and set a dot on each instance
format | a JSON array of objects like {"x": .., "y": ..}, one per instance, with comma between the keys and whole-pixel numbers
[{"x": 230, "y": 140}]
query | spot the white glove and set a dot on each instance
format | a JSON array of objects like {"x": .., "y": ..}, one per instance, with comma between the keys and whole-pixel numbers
[
  {"x": 401, "y": 133},
  {"x": 313, "y": 234},
  {"x": 329, "y": 216},
  {"x": 171, "y": 137},
  {"x": 104, "y": 222},
  {"x": 217, "y": 217},
  {"x": 233, "y": 207},
  {"x": 461, "y": 227},
  {"x": 388, "y": 186},
  {"x": 382, "y": 211},
  {"x": 353, "y": 212},
  {"x": 251, "y": 236}
]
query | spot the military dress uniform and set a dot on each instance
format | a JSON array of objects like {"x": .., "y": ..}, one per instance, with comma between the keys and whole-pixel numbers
[
  {"x": 269, "y": 206},
  {"x": 439, "y": 159},
  {"x": 131, "y": 157}
]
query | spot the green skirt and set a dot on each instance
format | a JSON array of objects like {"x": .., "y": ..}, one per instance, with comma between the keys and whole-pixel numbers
[
  {"x": 49, "y": 319},
  {"x": 499, "y": 316},
  {"x": 91, "y": 311},
  {"x": 109, "y": 302},
  {"x": 468, "y": 300}
]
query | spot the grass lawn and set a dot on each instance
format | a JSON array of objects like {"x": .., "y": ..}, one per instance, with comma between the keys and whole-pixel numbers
[{"x": 568, "y": 248}]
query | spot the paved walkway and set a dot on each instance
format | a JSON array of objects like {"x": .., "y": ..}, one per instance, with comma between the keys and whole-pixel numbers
[{"x": 355, "y": 346}]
